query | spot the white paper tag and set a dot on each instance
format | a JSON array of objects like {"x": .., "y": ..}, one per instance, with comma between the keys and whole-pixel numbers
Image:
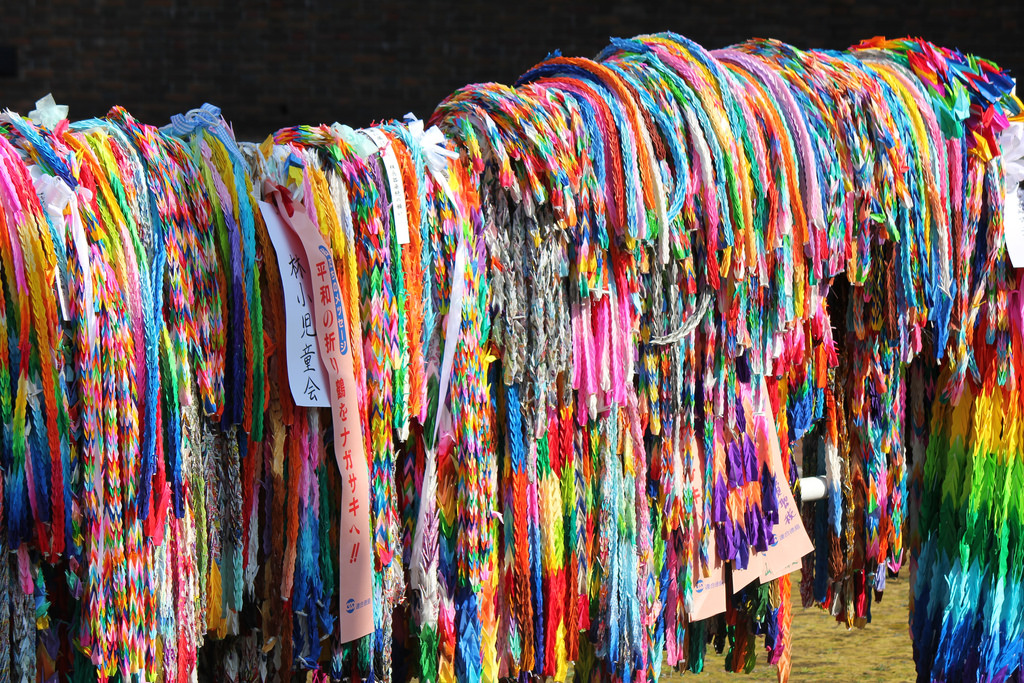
[
  {"x": 1014, "y": 224},
  {"x": 307, "y": 377},
  {"x": 58, "y": 283},
  {"x": 709, "y": 596},
  {"x": 82, "y": 254},
  {"x": 453, "y": 326},
  {"x": 394, "y": 173},
  {"x": 55, "y": 196},
  {"x": 791, "y": 543},
  {"x": 1011, "y": 147}
]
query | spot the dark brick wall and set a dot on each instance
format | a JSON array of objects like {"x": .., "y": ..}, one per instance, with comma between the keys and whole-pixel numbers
[{"x": 271, "y": 63}]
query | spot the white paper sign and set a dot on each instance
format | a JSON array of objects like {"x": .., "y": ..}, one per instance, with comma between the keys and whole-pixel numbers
[
  {"x": 708, "y": 597},
  {"x": 452, "y": 330},
  {"x": 709, "y": 592},
  {"x": 1014, "y": 223},
  {"x": 1011, "y": 146},
  {"x": 394, "y": 173},
  {"x": 754, "y": 571},
  {"x": 307, "y": 377},
  {"x": 791, "y": 539}
]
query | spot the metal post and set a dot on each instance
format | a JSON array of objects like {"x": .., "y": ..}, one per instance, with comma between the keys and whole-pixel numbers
[{"x": 812, "y": 488}]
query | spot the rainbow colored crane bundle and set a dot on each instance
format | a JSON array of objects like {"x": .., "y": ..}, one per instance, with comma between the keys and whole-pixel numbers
[{"x": 519, "y": 387}]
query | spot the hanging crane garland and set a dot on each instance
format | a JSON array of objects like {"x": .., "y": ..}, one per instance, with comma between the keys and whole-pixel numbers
[{"x": 577, "y": 326}]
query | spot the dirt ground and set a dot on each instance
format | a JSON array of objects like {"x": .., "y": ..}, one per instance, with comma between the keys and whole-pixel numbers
[{"x": 824, "y": 650}]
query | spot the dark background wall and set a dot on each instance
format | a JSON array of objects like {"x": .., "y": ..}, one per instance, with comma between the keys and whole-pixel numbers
[{"x": 271, "y": 63}]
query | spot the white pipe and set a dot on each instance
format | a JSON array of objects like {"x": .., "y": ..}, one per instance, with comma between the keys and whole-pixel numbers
[{"x": 812, "y": 488}]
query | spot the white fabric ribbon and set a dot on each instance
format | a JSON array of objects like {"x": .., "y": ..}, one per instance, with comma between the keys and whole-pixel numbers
[
  {"x": 48, "y": 113},
  {"x": 362, "y": 145},
  {"x": 432, "y": 142}
]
